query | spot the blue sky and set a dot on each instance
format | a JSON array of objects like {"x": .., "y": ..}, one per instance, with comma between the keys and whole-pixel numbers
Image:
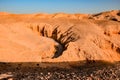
[{"x": 55, "y": 6}]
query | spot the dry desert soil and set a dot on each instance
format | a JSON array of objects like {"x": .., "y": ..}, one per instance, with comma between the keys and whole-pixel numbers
[{"x": 60, "y": 46}]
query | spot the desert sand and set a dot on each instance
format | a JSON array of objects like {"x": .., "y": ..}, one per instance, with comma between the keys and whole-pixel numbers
[{"x": 60, "y": 37}]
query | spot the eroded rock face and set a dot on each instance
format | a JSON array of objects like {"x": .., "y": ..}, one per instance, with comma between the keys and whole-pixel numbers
[{"x": 53, "y": 38}]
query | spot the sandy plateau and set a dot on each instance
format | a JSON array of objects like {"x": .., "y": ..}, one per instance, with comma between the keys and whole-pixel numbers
[{"x": 60, "y": 37}]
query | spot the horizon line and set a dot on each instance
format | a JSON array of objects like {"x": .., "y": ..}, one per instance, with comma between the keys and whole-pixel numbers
[{"x": 57, "y": 12}]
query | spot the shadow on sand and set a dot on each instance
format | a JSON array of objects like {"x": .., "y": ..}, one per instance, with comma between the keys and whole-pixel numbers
[
  {"x": 46, "y": 65},
  {"x": 23, "y": 70}
]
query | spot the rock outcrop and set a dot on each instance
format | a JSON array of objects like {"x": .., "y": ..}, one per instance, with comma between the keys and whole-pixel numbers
[{"x": 113, "y": 15}]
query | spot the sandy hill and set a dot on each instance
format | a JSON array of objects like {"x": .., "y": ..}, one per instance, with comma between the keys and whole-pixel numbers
[
  {"x": 113, "y": 15},
  {"x": 60, "y": 37}
]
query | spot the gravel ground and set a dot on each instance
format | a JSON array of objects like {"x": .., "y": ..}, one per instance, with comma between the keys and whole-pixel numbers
[{"x": 86, "y": 72}]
